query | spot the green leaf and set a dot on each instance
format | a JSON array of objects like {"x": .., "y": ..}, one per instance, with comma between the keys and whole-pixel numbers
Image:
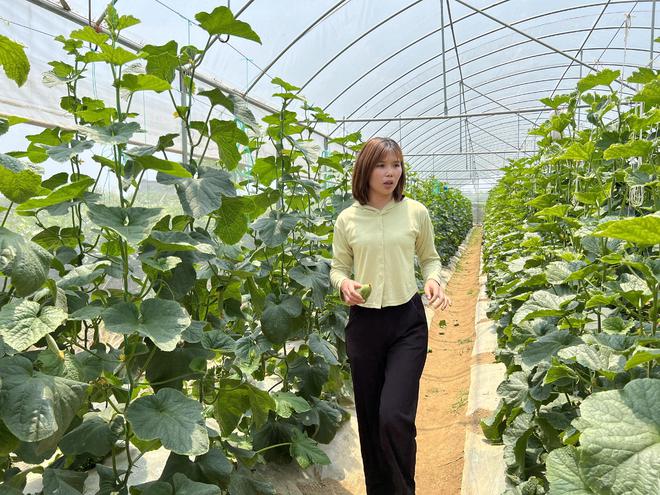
[
  {"x": 25, "y": 262},
  {"x": 171, "y": 417},
  {"x": 564, "y": 473},
  {"x": 203, "y": 194},
  {"x": 232, "y": 220},
  {"x": 14, "y": 61},
  {"x": 162, "y": 320},
  {"x": 547, "y": 346},
  {"x": 144, "y": 82},
  {"x": 330, "y": 417},
  {"x": 162, "y": 60},
  {"x": 287, "y": 403},
  {"x": 312, "y": 373},
  {"x": 35, "y": 406},
  {"x": 578, "y": 152},
  {"x": 642, "y": 355},
  {"x": 639, "y": 230},
  {"x": 65, "y": 151},
  {"x": 620, "y": 439},
  {"x": 265, "y": 170},
  {"x": 178, "y": 241},
  {"x": 635, "y": 147},
  {"x": 602, "y": 78},
  {"x": 116, "y": 133},
  {"x": 323, "y": 348},
  {"x": 315, "y": 277},
  {"x": 556, "y": 101},
  {"x": 63, "y": 482},
  {"x": 235, "y": 399},
  {"x": 278, "y": 321},
  {"x": 227, "y": 135},
  {"x": 184, "y": 486},
  {"x": 82, "y": 275},
  {"x": 542, "y": 303},
  {"x": 274, "y": 229},
  {"x": 306, "y": 451},
  {"x": 594, "y": 358},
  {"x": 93, "y": 436},
  {"x": 133, "y": 224},
  {"x": 90, "y": 35},
  {"x": 642, "y": 75},
  {"x": 244, "y": 482},
  {"x": 67, "y": 192},
  {"x": 559, "y": 210},
  {"x": 649, "y": 94},
  {"x": 160, "y": 165},
  {"x": 115, "y": 55},
  {"x": 288, "y": 87},
  {"x": 23, "y": 323},
  {"x": 18, "y": 186},
  {"x": 221, "y": 21}
]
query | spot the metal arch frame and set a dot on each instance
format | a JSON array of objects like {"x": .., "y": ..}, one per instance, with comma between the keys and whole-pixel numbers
[
  {"x": 513, "y": 61},
  {"x": 482, "y": 105},
  {"x": 489, "y": 81},
  {"x": 466, "y": 42},
  {"x": 357, "y": 40},
  {"x": 469, "y": 41},
  {"x": 398, "y": 52},
  {"x": 489, "y": 92},
  {"x": 417, "y": 101},
  {"x": 456, "y": 173},
  {"x": 482, "y": 143},
  {"x": 533, "y": 38},
  {"x": 296, "y": 40},
  {"x": 479, "y": 117}
]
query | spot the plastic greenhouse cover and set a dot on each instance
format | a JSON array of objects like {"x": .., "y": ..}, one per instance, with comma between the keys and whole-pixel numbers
[{"x": 365, "y": 59}]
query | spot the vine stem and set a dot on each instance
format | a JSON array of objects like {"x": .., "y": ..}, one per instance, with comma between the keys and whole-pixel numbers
[
  {"x": 4, "y": 220},
  {"x": 273, "y": 447}
]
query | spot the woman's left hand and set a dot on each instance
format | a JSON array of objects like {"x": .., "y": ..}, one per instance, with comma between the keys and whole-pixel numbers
[{"x": 436, "y": 295}]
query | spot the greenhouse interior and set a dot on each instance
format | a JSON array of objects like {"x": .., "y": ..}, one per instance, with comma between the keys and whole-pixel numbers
[{"x": 191, "y": 203}]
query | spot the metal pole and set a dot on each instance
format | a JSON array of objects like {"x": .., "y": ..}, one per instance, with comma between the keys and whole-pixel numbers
[
  {"x": 444, "y": 66},
  {"x": 652, "y": 35},
  {"x": 184, "y": 134},
  {"x": 532, "y": 38},
  {"x": 445, "y": 117}
]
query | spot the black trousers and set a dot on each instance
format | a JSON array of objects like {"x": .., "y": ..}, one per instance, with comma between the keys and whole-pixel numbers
[{"x": 387, "y": 350}]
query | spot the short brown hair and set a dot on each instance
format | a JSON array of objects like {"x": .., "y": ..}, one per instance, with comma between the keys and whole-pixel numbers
[{"x": 370, "y": 154}]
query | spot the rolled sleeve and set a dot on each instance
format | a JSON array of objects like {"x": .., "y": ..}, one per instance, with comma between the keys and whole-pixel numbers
[
  {"x": 429, "y": 260},
  {"x": 341, "y": 266}
]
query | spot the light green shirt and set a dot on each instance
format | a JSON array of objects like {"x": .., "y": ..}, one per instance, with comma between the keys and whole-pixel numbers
[{"x": 379, "y": 247}]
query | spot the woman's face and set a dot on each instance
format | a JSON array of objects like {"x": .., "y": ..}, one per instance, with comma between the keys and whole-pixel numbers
[{"x": 385, "y": 175}]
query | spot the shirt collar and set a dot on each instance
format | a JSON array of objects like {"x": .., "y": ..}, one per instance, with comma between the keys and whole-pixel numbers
[{"x": 391, "y": 204}]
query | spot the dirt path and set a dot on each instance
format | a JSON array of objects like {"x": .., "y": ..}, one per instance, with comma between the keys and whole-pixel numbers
[{"x": 445, "y": 382}]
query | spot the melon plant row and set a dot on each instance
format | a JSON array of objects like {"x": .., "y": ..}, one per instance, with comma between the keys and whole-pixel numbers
[
  {"x": 450, "y": 211},
  {"x": 214, "y": 333},
  {"x": 572, "y": 238}
]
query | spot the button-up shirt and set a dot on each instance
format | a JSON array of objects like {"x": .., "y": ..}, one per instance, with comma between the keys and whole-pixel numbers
[{"x": 379, "y": 246}]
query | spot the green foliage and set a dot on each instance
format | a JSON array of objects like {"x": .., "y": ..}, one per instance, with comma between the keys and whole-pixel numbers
[
  {"x": 13, "y": 60},
  {"x": 571, "y": 251},
  {"x": 130, "y": 323},
  {"x": 450, "y": 211}
]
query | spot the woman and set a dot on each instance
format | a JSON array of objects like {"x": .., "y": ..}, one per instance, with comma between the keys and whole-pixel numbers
[{"x": 376, "y": 239}]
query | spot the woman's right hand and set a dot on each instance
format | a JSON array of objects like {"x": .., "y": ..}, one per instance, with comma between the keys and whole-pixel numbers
[{"x": 349, "y": 292}]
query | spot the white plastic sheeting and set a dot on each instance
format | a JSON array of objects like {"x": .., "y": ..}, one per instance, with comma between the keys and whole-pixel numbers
[{"x": 363, "y": 59}]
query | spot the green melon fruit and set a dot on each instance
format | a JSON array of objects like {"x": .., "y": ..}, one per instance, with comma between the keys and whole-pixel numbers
[{"x": 365, "y": 291}]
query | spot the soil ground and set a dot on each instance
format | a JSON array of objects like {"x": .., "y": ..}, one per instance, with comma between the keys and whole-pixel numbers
[{"x": 441, "y": 419}]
